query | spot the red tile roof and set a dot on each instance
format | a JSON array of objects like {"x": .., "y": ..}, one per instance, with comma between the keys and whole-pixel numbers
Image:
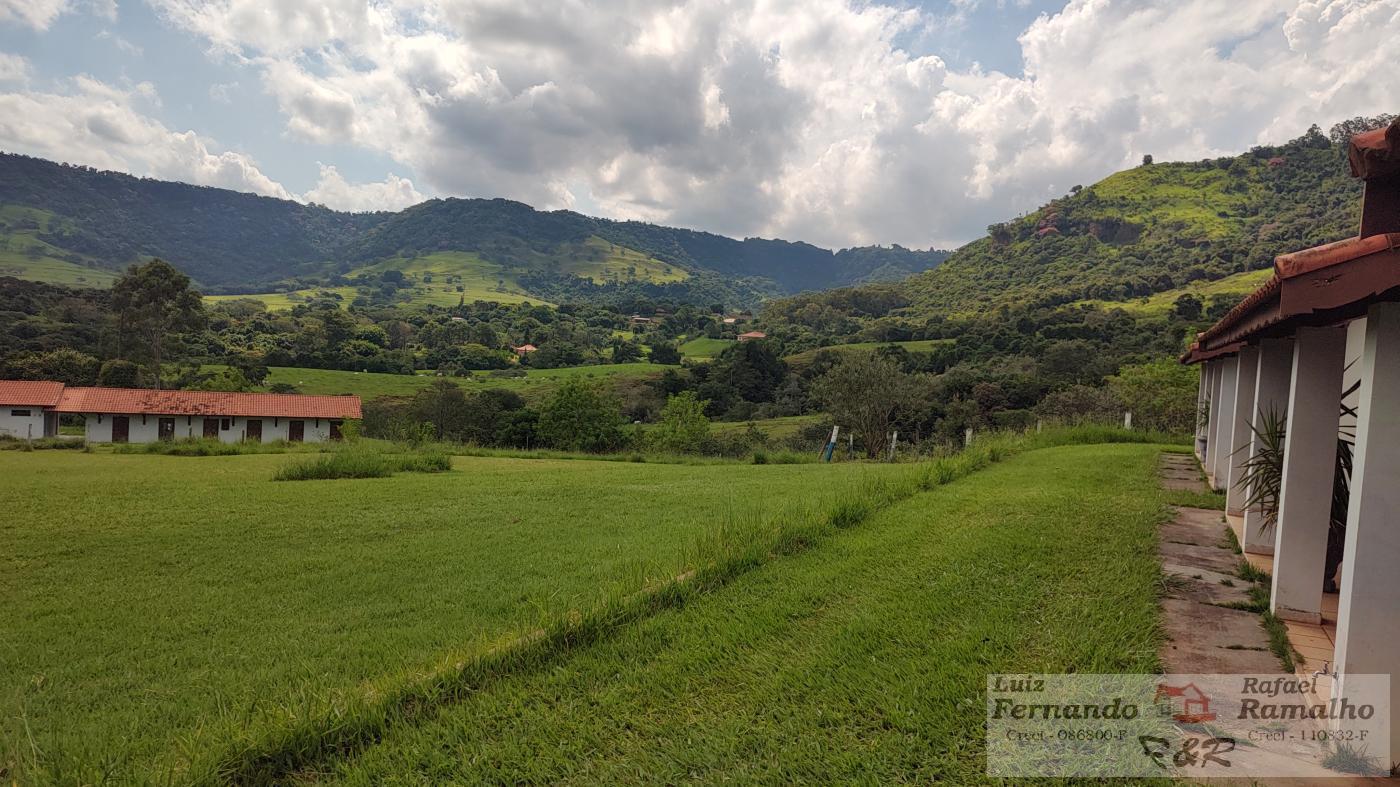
[
  {"x": 753, "y": 335},
  {"x": 212, "y": 403},
  {"x": 31, "y": 393}
]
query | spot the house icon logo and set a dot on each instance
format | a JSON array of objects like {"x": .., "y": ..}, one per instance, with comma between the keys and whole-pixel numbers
[{"x": 1187, "y": 704}]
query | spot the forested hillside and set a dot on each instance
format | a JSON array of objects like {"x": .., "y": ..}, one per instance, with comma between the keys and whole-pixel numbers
[{"x": 62, "y": 220}]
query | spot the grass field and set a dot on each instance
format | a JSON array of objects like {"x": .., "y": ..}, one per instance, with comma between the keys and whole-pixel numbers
[
  {"x": 1158, "y": 304},
  {"x": 158, "y": 608},
  {"x": 24, "y": 256},
  {"x": 535, "y": 384},
  {"x": 436, "y": 277},
  {"x": 860, "y": 659},
  {"x": 775, "y": 428},
  {"x": 917, "y": 346},
  {"x": 704, "y": 348}
]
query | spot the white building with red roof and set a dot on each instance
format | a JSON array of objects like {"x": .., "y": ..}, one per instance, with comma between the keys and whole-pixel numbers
[{"x": 31, "y": 410}]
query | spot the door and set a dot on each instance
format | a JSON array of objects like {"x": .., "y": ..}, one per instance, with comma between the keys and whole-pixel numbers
[
  {"x": 121, "y": 429},
  {"x": 165, "y": 429},
  {"x": 296, "y": 431},
  {"x": 211, "y": 428},
  {"x": 254, "y": 431},
  {"x": 335, "y": 430}
]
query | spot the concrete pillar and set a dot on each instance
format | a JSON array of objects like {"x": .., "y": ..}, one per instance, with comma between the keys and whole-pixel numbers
[
  {"x": 1202, "y": 396},
  {"x": 1237, "y": 449},
  {"x": 1309, "y": 461},
  {"x": 1224, "y": 424},
  {"x": 1271, "y": 381},
  {"x": 1213, "y": 424},
  {"x": 1368, "y": 635}
]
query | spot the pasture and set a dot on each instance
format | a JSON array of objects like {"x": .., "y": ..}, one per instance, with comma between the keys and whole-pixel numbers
[
  {"x": 159, "y": 607},
  {"x": 183, "y": 618},
  {"x": 536, "y": 383}
]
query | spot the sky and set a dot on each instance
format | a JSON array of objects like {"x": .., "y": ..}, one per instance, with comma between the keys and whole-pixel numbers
[{"x": 837, "y": 122}]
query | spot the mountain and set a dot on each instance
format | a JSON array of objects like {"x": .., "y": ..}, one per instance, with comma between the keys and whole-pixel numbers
[
  {"x": 1137, "y": 239},
  {"x": 76, "y": 224}
]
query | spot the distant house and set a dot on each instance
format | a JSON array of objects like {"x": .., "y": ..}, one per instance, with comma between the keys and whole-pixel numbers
[
  {"x": 128, "y": 415},
  {"x": 524, "y": 349},
  {"x": 27, "y": 408},
  {"x": 640, "y": 320},
  {"x": 730, "y": 320},
  {"x": 752, "y": 336}
]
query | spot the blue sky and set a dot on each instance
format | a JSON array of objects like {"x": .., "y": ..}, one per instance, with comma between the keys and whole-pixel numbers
[{"x": 833, "y": 121}]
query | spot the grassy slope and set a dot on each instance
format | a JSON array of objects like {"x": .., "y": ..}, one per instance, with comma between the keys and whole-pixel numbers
[
  {"x": 1157, "y": 304},
  {"x": 921, "y": 345},
  {"x": 180, "y": 603},
  {"x": 482, "y": 280},
  {"x": 368, "y": 385},
  {"x": 24, "y": 256},
  {"x": 1201, "y": 215},
  {"x": 703, "y": 348},
  {"x": 863, "y": 659}
]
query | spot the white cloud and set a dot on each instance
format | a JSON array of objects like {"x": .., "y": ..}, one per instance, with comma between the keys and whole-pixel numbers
[
  {"x": 332, "y": 190},
  {"x": 13, "y": 68},
  {"x": 101, "y": 125},
  {"x": 795, "y": 118},
  {"x": 39, "y": 14}
]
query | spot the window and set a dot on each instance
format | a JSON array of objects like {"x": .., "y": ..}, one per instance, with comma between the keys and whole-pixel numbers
[
  {"x": 224, "y": 425},
  {"x": 20, "y": 413}
]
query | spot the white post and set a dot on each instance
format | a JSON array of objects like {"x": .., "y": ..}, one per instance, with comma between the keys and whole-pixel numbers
[
  {"x": 1213, "y": 417},
  {"x": 1368, "y": 639},
  {"x": 1309, "y": 462},
  {"x": 1202, "y": 396},
  {"x": 967, "y": 437},
  {"x": 1237, "y": 448},
  {"x": 1127, "y": 420},
  {"x": 1271, "y": 381},
  {"x": 1223, "y": 422}
]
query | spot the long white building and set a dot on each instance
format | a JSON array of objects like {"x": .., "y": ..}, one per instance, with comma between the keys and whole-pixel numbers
[{"x": 31, "y": 410}]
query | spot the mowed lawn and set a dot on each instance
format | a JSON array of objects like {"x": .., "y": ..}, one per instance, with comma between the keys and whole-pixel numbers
[
  {"x": 157, "y": 608},
  {"x": 863, "y": 659}
]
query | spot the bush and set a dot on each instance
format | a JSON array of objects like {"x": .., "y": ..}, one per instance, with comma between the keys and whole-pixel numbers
[
  {"x": 8, "y": 443},
  {"x": 359, "y": 463}
]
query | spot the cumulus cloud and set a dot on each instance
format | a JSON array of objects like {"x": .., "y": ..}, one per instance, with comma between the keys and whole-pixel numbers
[
  {"x": 102, "y": 125},
  {"x": 13, "y": 68},
  {"x": 332, "y": 190},
  {"x": 806, "y": 119},
  {"x": 39, "y": 14}
]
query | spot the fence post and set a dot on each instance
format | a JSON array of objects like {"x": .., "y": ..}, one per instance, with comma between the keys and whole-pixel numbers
[
  {"x": 831, "y": 444},
  {"x": 894, "y": 443},
  {"x": 967, "y": 437},
  {"x": 1127, "y": 420}
]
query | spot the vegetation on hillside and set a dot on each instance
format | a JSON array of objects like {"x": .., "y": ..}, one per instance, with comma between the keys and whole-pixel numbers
[{"x": 70, "y": 217}]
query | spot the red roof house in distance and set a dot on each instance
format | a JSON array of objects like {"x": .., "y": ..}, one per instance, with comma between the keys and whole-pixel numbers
[
  {"x": 26, "y": 408},
  {"x": 752, "y": 336},
  {"x": 129, "y": 415},
  {"x": 524, "y": 349}
]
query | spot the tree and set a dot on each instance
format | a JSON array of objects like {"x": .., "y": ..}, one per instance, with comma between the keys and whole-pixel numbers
[
  {"x": 625, "y": 351},
  {"x": 866, "y": 395},
  {"x": 579, "y": 417},
  {"x": 442, "y": 405},
  {"x": 1160, "y": 394},
  {"x": 683, "y": 427},
  {"x": 1188, "y": 307},
  {"x": 665, "y": 353},
  {"x": 66, "y": 366},
  {"x": 119, "y": 374},
  {"x": 1147, "y": 160},
  {"x": 154, "y": 302}
]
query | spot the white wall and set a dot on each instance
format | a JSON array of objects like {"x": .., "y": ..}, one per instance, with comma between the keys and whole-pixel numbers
[
  {"x": 21, "y": 426},
  {"x": 193, "y": 426}
]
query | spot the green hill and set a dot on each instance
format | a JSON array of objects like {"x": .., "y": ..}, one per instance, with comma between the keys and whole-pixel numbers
[
  {"x": 57, "y": 222},
  {"x": 1151, "y": 229}
]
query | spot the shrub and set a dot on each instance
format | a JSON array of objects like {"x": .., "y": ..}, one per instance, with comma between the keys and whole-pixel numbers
[
  {"x": 359, "y": 463},
  {"x": 8, "y": 443}
]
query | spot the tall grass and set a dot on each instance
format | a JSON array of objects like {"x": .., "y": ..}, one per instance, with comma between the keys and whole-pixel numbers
[
  {"x": 8, "y": 443},
  {"x": 362, "y": 462},
  {"x": 741, "y": 542},
  {"x": 208, "y": 446}
]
